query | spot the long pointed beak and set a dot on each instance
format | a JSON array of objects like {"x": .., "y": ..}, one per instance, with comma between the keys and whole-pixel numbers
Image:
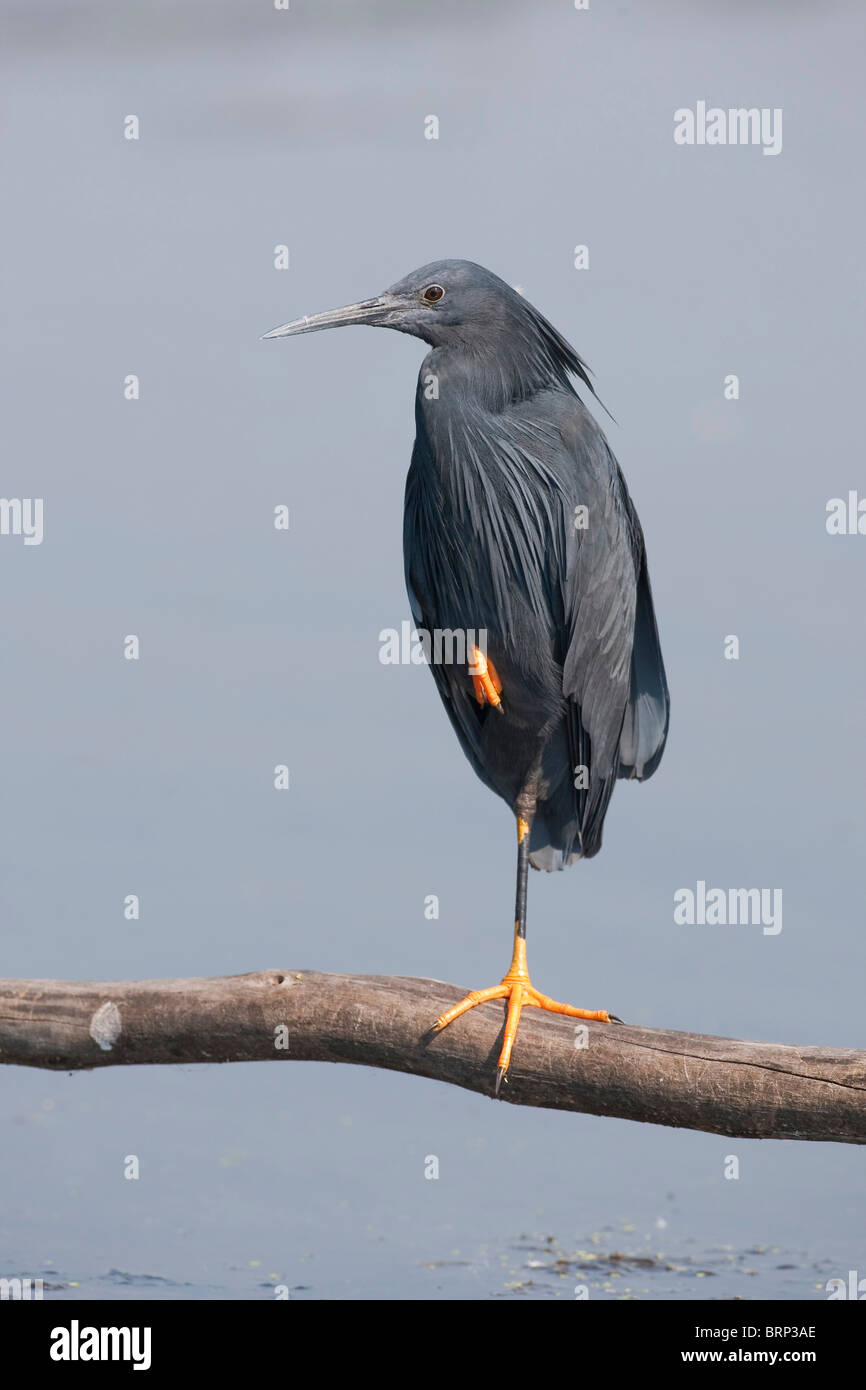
[{"x": 371, "y": 311}]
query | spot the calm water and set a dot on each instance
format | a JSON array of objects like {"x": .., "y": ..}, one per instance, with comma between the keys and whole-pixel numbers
[{"x": 156, "y": 258}]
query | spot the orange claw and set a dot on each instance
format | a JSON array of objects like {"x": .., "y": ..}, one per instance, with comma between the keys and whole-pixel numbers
[
  {"x": 518, "y": 990},
  {"x": 485, "y": 680}
]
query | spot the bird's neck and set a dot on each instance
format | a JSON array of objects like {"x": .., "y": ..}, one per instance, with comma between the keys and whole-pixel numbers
[{"x": 475, "y": 377}]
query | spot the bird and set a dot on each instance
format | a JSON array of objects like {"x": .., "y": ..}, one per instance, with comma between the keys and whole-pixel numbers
[{"x": 519, "y": 532}]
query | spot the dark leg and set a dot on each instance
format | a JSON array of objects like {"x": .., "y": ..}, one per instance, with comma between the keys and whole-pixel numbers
[{"x": 516, "y": 986}]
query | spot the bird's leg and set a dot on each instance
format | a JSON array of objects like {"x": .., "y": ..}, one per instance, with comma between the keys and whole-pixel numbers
[
  {"x": 516, "y": 986},
  {"x": 488, "y": 686}
]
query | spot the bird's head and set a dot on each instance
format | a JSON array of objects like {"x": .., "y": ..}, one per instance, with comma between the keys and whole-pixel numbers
[
  {"x": 446, "y": 302},
  {"x": 460, "y": 304}
]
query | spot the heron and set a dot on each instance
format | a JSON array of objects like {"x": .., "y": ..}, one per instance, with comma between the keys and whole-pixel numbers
[{"x": 518, "y": 526}]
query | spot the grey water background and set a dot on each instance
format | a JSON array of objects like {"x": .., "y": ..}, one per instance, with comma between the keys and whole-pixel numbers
[{"x": 154, "y": 777}]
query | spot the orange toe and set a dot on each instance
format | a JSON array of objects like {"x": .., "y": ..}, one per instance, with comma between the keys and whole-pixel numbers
[
  {"x": 485, "y": 680},
  {"x": 520, "y": 993}
]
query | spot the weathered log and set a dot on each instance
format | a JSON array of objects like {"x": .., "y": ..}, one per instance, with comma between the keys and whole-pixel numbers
[{"x": 722, "y": 1085}]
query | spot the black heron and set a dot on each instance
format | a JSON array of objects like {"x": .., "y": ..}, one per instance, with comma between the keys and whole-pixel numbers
[{"x": 518, "y": 524}]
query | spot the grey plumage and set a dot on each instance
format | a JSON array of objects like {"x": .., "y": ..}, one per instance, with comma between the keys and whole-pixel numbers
[
  {"x": 502, "y": 459},
  {"x": 505, "y": 452}
]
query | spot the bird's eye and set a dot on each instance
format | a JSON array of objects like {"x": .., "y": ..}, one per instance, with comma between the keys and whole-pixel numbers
[{"x": 432, "y": 293}]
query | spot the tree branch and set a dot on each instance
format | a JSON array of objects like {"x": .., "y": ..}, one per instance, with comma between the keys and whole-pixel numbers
[{"x": 722, "y": 1085}]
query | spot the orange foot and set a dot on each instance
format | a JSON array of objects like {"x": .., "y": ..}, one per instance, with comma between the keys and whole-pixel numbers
[
  {"x": 519, "y": 992},
  {"x": 486, "y": 682}
]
